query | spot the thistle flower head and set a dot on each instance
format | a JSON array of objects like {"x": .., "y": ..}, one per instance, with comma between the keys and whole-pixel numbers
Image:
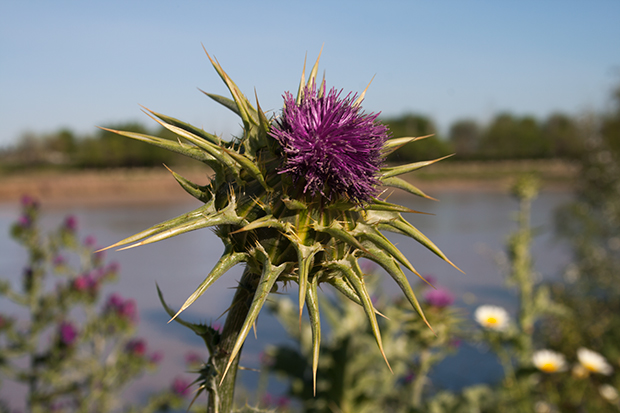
[
  {"x": 295, "y": 200},
  {"x": 330, "y": 145}
]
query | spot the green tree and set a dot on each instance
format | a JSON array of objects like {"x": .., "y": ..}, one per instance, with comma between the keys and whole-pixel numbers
[
  {"x": 465, "y": 138},
  {"x": 563, "y": 135},
  {"x": 509, "y": 137},
  {"x": 416, "y": 125}
]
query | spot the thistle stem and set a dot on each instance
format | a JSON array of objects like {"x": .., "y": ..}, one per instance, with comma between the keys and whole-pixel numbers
[{"x": 222, "y": 399}]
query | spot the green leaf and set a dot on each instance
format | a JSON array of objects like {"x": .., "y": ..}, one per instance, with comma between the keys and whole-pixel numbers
[
  {"x": 201, "y": 193},
  {"x": 405, "y": 227},
  {"x": 391, "y": 266},
  {"x": 246, "y": 111},
  {"x": 315, "y": 69},
  {"x": 312, "y": 304},
  {"x": 399, "y": 183},
  {"x": 371, "y": 234},
  {"x": 228, "y": 260},
  {"x": 379, "y": 205},
  {"x": 403, "y": 169},
  {"x": 171, "y": 223},
  {"x": 186, "y": 126},
  {"x": 249, "y": 166},
  {"x": 351, "y": 271},
  {"x": 392, "y": 145},
  {"x": 267, "y": 280},
  {"x": 188, "y": 150},
  {"x": 224, "y": 101}
]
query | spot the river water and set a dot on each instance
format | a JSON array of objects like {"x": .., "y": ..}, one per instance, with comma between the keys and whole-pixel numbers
[{"x": 471, "y": 227}]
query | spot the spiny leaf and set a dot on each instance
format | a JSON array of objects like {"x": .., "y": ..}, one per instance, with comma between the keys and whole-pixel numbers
[
  {"x": 212, "y": 149},
  {"x": 312, "y": 303},
  {"x": 351, "y": 271},
  {"x": 268, "y": 221},
  {"x": 374, "y": 236},
  {"x": 199, "y": 192},
  {"x": 359, "y": 100},
  {"x": 391, "y": 266},
  {"x": 302, "y": 83},
  {"x": 246, "y": 111},
  {"x": 186, "y": 126},
  {"x": 346, "y": 290},
  {"x": 267, "y": 280},
  {"x": 173, "y": 146},
  {"x": 336, "y": 230},
  {"x": 315, "y": 69},
  {"x": 171, "y": 223},
  {"x": 305, "y": 256},
  {"x": 224, "y": 101},
  {"x": 394, "y": 144},
  {"x": 222, "y": 217},
  {"x": 408, "y": 229},
  {"x": 249, "y": 166},
  {"x": 379, "y": 205},
  {"x": 399, "y": 183},
  {"x": 402, "y": 169},
  {"x": 228, "y": 260}
]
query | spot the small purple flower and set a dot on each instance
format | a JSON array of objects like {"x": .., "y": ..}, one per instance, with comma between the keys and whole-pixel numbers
[
  {"x": 331, "y": 147},
  {"x": 24, "y": 221},
  {"x": 90, "y": 241},
  {"x": 67, "y": 333},
  {"x": 29, "y": 202},
  {"x": 123, "y": 308},
  {"x": 193, "y": 359},
  {"x": 439, "y": 297},
  {"x": 58, "y": 261},
  {"x": 71, "y": 223},
  {"x": 180, "y": 387},
  {"x": 156, "y": 357},
  {"x": 217, "y": 327},
  {"x": 136, "y": 347}
]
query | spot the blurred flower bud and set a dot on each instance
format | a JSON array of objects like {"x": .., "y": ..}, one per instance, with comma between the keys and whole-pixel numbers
[
  {"x": 180, "y": 387},
  {"x": 439, "y": 298},
  {"x": 70, "y": 223},
  {"x": 67, "y": 333},
  {"x": 136, "y": 347}
]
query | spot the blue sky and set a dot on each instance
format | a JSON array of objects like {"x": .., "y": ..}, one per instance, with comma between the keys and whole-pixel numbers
[{"x": 79, "y": 64}]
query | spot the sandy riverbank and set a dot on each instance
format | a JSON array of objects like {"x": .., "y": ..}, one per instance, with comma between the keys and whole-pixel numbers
[{"x": 135, "y": 186}]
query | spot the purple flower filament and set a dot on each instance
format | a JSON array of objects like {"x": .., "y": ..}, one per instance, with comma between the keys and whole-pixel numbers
[{"x": 331, "y": 146}]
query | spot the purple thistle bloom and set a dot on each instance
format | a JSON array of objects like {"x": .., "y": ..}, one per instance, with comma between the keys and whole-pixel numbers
[
  {"x": 68, "y": 333},
  {"x": 193, "y": 359},
  {"x": 136, "y": 347},
  {"x": 156, "y": 357},
  {"x": 330, "y": 145},
  {"x": 439, "y": 298},
  {"x": 180, "y": 387},
  {"x": 71, "y": 223},
  {"x": 123, "y": 308}
]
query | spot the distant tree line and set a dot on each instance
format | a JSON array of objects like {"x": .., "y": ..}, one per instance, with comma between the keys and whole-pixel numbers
[{"x": 507, "y": 136}]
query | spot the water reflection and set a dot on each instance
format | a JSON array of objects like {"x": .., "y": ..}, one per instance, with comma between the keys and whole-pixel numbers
[{"x": 468, "y": 227}]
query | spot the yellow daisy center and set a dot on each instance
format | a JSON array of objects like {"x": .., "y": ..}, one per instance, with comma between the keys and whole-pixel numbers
[
  {"x": 591, "y": 367},
  {"x": 549, "y": 367},
  {"x": 492, "y": 320}
]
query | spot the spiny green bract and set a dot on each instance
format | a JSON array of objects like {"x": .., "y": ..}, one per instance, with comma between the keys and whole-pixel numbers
[{"x": 279, "y": 232}]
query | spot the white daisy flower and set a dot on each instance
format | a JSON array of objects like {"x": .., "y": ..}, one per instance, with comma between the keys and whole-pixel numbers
[
  {"x": 608, "y": 392},
  {"x": 549, "y": 361},
  {"x": 492, "y": 317},
  {"x": 593, "y": 361}
]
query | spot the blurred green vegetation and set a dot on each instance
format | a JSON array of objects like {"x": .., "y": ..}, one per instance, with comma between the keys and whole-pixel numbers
[{"x": 506, "y": 137}]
